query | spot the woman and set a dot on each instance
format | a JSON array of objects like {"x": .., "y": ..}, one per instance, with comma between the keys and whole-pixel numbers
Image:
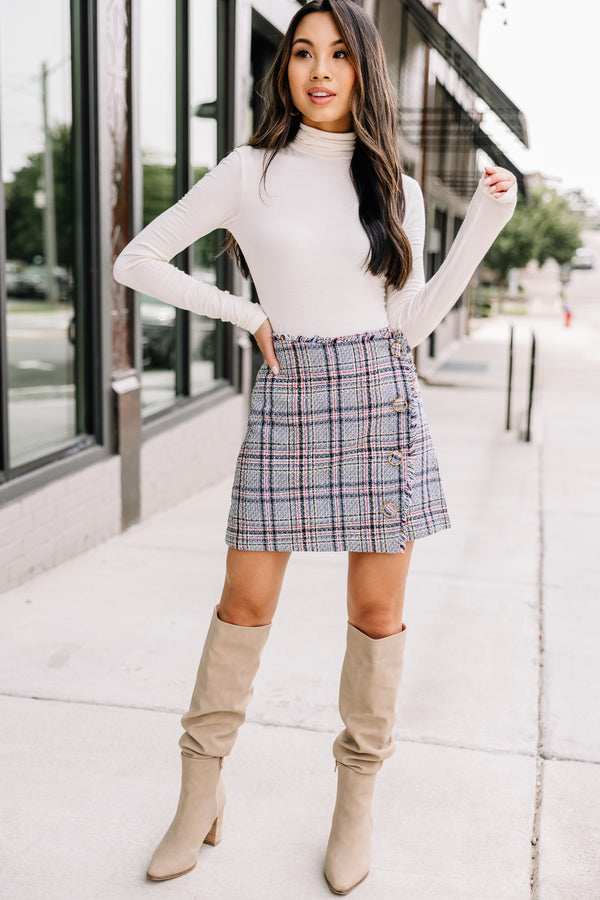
[{"x": 338, "y": 454}]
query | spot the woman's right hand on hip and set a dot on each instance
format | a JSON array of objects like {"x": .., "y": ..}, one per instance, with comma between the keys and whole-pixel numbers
[{"x": 264, "y": 338}]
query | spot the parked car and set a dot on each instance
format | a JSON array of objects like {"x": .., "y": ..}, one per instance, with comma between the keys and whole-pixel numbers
[
  {"x": 583, "y": 259},
  {"x": 11, "y": 276},
  {"x": 158, "y": 333},
  {"x": 30, "y": 282}
]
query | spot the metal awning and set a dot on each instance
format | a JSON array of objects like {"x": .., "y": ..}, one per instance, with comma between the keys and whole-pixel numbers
[
  {"x": 451, "y": 126},
  {"x": 467, "y": 69},
  {"x": 484, "y": 141}
]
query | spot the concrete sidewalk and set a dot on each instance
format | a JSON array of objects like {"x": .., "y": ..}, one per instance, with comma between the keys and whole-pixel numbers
[{"x": 494, "y": 789}]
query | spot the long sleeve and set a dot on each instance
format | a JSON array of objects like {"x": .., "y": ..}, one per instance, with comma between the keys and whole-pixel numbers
[
  {"x": 143, "y": 265},
  {"x": 419, "y": 307}
]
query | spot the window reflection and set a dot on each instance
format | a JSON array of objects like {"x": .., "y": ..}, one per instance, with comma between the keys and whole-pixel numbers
[
  {"x": 204, "y": 331},
  {"x": 157, "y": 131},
  {"x": 36, "y": 121}
]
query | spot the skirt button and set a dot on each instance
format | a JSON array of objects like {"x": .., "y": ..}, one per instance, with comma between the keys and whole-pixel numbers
[
  {"x": 397, "y": 349},
  {"x": 390, "y": 510},
  {"x": 400, "y": 404},
  {"x": 395, "y": 458}
]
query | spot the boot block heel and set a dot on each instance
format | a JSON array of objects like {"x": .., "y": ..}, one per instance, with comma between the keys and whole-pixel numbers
[{"x": 216, "y": 832}]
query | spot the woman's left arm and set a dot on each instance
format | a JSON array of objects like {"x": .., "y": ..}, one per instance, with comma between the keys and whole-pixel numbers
[{"x": 419, "y": 307}]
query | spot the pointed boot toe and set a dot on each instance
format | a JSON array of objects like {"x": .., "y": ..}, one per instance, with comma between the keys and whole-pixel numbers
[
  {"x": 348, "y": 857},
  {"x": 340, "y": 880},
  {"x": 198, "y": 820}
]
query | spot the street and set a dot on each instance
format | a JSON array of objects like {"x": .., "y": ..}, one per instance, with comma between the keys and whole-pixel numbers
[
  {"x": 39, "y": 350},
  {"x": 41, "y": 389}
]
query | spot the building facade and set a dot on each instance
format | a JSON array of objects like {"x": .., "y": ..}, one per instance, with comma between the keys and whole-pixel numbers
[{"x": 114, "y": 405}]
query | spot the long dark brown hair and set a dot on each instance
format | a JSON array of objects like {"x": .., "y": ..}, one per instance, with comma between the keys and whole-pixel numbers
[{"x": 376, "y": 167}]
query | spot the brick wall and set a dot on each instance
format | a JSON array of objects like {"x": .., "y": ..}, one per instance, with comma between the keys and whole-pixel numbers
[
  {"x": 187, "y": 457},
  {"x": 59, "y": 521},
  {"x": 74, "y": 513}
]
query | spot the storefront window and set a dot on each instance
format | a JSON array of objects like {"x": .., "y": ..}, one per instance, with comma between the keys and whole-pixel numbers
[
  {"x": 204, "y": 331},
  {"x": 158, "y": 148},
  {"x": 37, "y": 171}
]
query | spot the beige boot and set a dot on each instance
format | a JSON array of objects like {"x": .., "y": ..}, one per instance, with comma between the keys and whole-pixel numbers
[
  {"x": 369, "y": 686},
  {"x": 223, "y": 689}
]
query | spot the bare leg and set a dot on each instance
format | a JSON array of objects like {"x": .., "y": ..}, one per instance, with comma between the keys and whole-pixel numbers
[
  {"x": 376, "y": 588},
  {"x": 253, "y": 580}
]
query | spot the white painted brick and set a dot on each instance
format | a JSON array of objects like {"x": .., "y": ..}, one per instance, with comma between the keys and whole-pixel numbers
[
  {"x": 59, "y": 521},
  {"x": 46, "y": 516},
  {"x": 10, "y": 552},
  {"x": 76, "y": 516},
  {"x": 10, "y": 514},
  {"x": 23, "y": 527},
  {"x": 16, "y": 573},
  {"x": 75, "y": 513},
  {"x": 187, "y": 458},
  {"x": 43, "y": 557},
  {"x": 63, "y": 550},
  {"x": 51, "y": 493},
  {"x": 76, "y": 482},
  {"x": 7, "y": 534},
  {"x": 70, "y": 541}
]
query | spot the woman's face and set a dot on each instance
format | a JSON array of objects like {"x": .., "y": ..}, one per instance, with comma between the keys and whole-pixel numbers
[{"x": 319, "y": 60}]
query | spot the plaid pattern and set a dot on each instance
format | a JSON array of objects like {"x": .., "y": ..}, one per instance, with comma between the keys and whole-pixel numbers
[{"x": 338, "y": 454}]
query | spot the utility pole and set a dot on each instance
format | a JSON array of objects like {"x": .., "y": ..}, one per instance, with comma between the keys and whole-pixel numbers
[{"x": 49, "y": 211}]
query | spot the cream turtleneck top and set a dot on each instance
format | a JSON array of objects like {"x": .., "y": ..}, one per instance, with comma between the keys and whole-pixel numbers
[{"x": 302, "y": 239}]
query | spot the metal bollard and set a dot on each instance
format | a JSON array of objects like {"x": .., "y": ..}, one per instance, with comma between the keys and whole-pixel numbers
[
  {"x": 531, "y": 383},
  {"x": 510, "y": 372}
]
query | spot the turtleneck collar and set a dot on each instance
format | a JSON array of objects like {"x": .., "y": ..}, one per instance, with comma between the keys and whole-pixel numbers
[{"x": 327, "y": 144}]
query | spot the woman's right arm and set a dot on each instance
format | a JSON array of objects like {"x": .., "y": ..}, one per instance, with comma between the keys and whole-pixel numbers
[{"x": 144, "y": 264}]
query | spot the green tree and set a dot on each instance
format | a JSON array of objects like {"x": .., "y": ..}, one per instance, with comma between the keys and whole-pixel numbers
[
  {"x": 159, "y": 193},
  {"x": 557, "y": 228},
  {"x": 159, "y": 190},
  {"x": 545, "y": 228},
  {"x": 24, "y": 220},
  {"x": 514, "y": 246},
  {"x": 208, "y": 246}
]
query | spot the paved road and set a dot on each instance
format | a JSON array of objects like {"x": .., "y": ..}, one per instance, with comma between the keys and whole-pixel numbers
[{"x": 39, "y": 350}]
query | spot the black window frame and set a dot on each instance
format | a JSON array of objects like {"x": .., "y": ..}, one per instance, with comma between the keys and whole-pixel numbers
[
  {"x": 86, "y": 256},
  {"x": 227, "y": 369}
]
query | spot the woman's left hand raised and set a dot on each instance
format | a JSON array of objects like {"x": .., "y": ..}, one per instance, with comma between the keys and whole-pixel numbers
[{"x": 498, "y": 180}]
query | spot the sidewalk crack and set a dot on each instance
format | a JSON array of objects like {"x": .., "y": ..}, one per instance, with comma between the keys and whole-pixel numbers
[{"x": 539, "y": 756}]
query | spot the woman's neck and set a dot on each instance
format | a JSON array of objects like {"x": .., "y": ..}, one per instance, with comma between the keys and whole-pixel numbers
[{"x": 326, "y": 144}]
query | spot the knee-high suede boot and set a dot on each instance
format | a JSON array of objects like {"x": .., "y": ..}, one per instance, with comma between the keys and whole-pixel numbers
[
  {"x": 369, "y": 685},
  {"x": 223, "y": 689}
]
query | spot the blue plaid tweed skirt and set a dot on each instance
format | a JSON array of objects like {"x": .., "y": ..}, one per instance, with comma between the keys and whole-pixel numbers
[{"x": 338, "y": 454}]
